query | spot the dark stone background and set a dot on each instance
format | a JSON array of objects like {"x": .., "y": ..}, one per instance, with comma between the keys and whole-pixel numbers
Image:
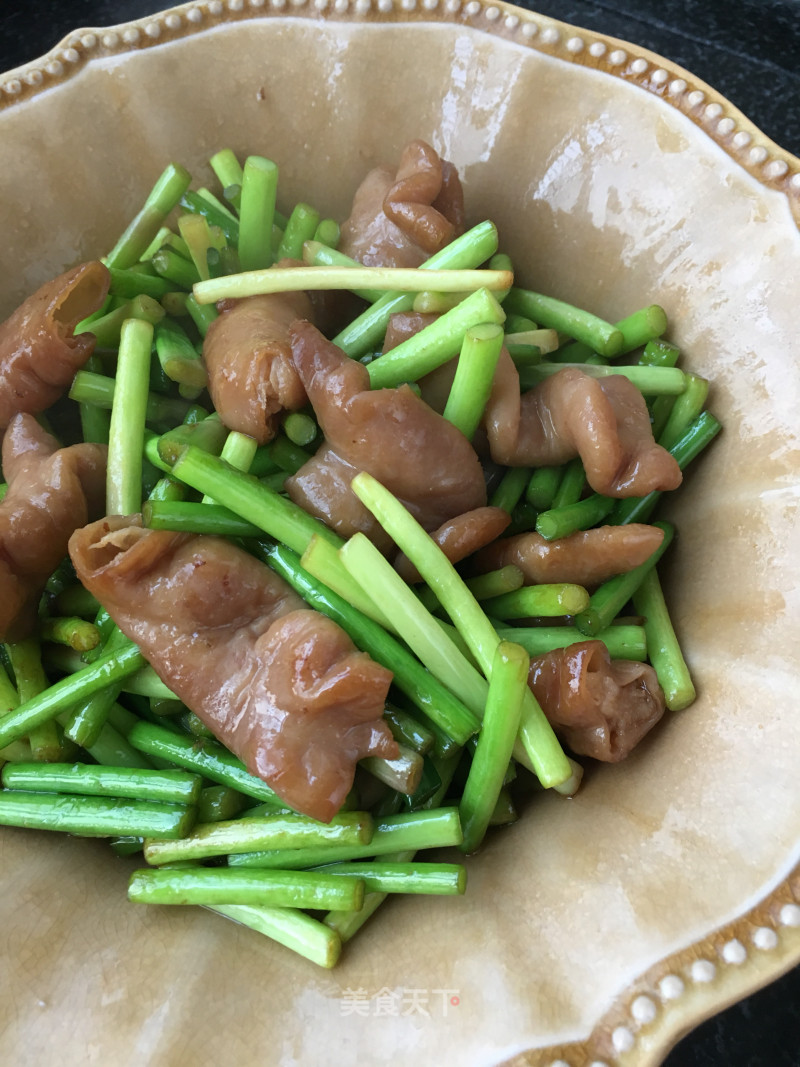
[{"x": 750, "y": 52}]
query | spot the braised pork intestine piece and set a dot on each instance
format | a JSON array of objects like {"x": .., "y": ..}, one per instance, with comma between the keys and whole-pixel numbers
[
  {"x": 280, "y": 685},
  {"x": 322, "y": 488},
  {"x": 459, "y": 537},
  {"x": 604, "y": 421},
  {"x": 420, "y": 457},
  {"x": 598, "y": 706},
  {"x": 399, "y": 219},
  {"x": 248, "y": 357},
  {"x": 39, "y": 351},
  {"x": 405, "y": 324},
  {"x": 587, "y": 557},
  {"x": 51, "y": 492}
]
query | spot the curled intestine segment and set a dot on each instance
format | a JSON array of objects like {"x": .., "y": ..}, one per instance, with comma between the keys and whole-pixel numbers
[
  {"x": 247, "y": 352},
  {"x": 39, "y": 350},
  {"x": 604, "y": 421},
  {"x": 401, "y": 217},
  {"x": 282, "y": 686},
  {"x": 52, "y": 491},
  {"x": 598, "y": 706},
  {"x": 440, "y": 475},
  {"x": 587, "y": 557}
]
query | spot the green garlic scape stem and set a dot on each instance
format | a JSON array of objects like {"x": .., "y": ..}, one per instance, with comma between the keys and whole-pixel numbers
[
  {"x": 189, "y": 517},
  {"x": 215, "y": 214},
  {"x": 77, "y": 633},
  {"x": 209, "y": 886},
  {"x": 98, "y": 389},
  {"x": 474, "y": 376},
  {"x": 415, "y": 625},
  {"x": 436, "y": 344},
  {"x": 650, "y": 381},
  {"x": 319, "y": 254},
  {"x": 176, "y": 787},
  {"x": 301, "y": 227},
  {"x": 495, "y": 745},
  {"x": 509, "y": 492},
  {"x": 599, "y": 335},
  {"x": 206, "y": 757},
  {"x": 546, "y": 600},
  {"x": 623, "y": 641},
  {"x": 365, "y": 333},
  {"x": 438, "y": 828},
  {"x": 386, "y": 279},
  {"x": 289, "y": 927},
  {"x": 323, "y": 562},
  {"x": 495, "y": 583},
  {"x": 263, "y": 832},
  {"x": 25, "y": 658},
  {"x": 163, "y": 197},
  {"x": 64, "y": 694},
  {"x": 94, "y": 816},
  {"x": 228, "y": 171},
  {"x": 562, "y": 521},
  {"x": 385, "y": 876},
  {"x": 128, "y": 415},
  {"x": 246, "y": 497},
  {"x": 664, "y": 651},
  {"x": 536, "y": 734},
  {"x": 256, "y": 213},
  {"x": 685, "y": 410}
]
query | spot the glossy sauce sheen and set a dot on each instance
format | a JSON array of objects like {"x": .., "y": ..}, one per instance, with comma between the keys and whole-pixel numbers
[
  {"x": 280, "y": 685},
  {"x": 39, "y": 354},
  {"x": 52, "y": 491},
  {"x": 460, "y": 537},
  {"x": 248, "y": 357},
  {"x": 440, "y": 475},
  {"x": 399, "y": 219},
  {"x": 587, "y": 557},
  {"x": 598, "y": 706},
  {"x": 604, "y": 421}
]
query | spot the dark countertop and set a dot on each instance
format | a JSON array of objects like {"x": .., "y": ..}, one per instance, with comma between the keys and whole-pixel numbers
[{"x": 748, "y": 50}]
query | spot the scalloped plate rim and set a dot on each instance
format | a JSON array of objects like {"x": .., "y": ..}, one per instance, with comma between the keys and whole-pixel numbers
[
  {"x": 757, "y": 141},
  {"x": 656, "y": 1040}
]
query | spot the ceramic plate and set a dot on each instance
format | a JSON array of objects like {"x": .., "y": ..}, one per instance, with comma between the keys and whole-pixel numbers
[{"x": 596, "y": 930}]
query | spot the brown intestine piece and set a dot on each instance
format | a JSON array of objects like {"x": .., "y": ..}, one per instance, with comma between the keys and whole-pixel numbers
[
  {"x": 587, "y": 557},
  {"x": 405, "y": 324},
  {"x": 598, "y": 706},
  {"x": 604, "y": 421},
  {"x": 39, "y": 351},
  {"x": 400, "y": 218},
  {"x": 52, "y": 491},
  {"x": 459, "y": 537},
  {"x": 322, "y": 488},
  {"x": 282, "y": 686},
  {"x": 251, "y": 376},
  {"x": 390, "y": 433}
]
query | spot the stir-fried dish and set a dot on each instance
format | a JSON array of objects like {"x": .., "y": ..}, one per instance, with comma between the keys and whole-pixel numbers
[{"x": 327, "y": 561}]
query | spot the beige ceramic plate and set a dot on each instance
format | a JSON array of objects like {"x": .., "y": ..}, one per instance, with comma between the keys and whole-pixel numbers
[{"x": 597, "y": 930}]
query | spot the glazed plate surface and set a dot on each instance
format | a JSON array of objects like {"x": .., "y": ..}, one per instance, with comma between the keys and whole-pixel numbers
[{"x": 594, "y": 930}]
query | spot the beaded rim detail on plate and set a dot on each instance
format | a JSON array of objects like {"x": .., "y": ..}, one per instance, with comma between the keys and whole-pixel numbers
[
  {"x": 716, "y": 966},
  {"x": 711, "y": 973},
  {"x": 732, "y": 131}
]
